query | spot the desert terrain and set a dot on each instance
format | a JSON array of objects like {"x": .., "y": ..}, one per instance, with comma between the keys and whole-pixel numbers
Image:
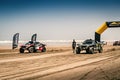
[{"x": 59, "y": 63}]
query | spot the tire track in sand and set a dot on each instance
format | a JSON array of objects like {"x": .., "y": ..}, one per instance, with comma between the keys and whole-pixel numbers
[
  {"x": 34, "y": 57},
  {"x": 31, "y": 74}
]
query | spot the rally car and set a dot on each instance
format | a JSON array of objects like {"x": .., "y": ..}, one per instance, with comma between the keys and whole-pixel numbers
[
  {"x": 32, "y": 47},
  {"x": 90, "y": 46}
]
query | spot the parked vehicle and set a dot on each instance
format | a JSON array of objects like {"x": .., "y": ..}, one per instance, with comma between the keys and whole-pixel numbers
[
  {"x": 116, "y": 43},
  {"x": 33, "y": 47},
  {"x": 90, "y": 46}
]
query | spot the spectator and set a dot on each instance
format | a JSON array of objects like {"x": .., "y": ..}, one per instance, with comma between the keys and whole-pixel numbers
[{"x": 73, "y": 45}]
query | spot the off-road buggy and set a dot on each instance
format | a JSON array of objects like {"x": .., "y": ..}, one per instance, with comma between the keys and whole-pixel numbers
[{"x": 33, "y": 47}]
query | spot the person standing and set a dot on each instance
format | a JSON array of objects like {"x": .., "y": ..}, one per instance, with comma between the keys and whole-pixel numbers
[{"x": 73, "y": 45}]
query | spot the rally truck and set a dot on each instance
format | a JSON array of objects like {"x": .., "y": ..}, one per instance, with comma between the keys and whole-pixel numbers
[{"x": 90, "y": 46}]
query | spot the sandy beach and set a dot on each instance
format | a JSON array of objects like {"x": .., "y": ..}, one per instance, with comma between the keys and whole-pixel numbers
[{"x": 59, "y": 63}]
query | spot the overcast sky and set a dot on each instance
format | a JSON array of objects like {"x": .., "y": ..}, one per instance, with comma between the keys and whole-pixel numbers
[{"x": 57, "y": 19}]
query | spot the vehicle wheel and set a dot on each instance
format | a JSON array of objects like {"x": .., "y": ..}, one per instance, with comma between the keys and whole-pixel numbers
[
  {"x": 100, "y": 50},
  {"x": 78, "y": 50},
  {"x": 21, "y": 50},
  {"x": 35, "y": 50},
  {"x": 91, "y": 50},
  {"x": 44, "y": 49},
  {"x": 31, "y": 50},
  {"x": 87, "y": 50}
]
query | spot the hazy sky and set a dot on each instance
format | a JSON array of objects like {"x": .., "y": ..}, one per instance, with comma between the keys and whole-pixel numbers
[{"x": 57, "y": 19}]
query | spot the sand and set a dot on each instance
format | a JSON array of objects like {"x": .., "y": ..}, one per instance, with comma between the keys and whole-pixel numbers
[{"x": 59, "y": 63}]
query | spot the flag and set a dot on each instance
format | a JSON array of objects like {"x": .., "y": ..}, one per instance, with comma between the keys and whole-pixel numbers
[{"x": 15, "y": 41}]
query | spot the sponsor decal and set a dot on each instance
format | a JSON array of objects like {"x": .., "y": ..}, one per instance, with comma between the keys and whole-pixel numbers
[{"x": 114, "y": 24}]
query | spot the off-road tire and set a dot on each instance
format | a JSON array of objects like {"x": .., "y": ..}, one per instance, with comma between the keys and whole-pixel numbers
[
  {"x": 91, "y": 50},
  {"x": 87, "y": 50},
  {"x": 31, "y": 49},
  {"x": 78, "y": 50},
  {"x": 100, "y": 50},
  {"x": 44, "y": 49},
  {"x": 21, "y": 50}
]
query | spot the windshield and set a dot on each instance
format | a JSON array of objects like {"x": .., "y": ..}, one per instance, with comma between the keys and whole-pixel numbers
[
  {"x": 87, "y": 42},
  {"x": 28, "y": 43}
]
